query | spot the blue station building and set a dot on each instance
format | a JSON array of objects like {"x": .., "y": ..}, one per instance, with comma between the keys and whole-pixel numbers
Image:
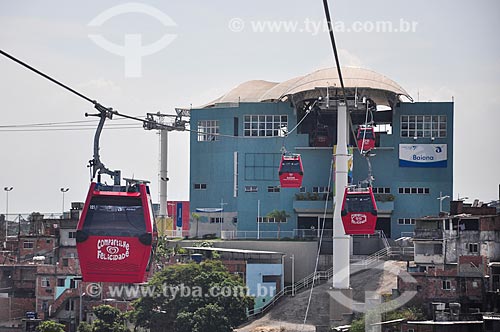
[{"x": 237, "y": 141}]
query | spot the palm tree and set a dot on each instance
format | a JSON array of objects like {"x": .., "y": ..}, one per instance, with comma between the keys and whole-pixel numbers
[
  {"x": 196, "y": 217},
  {"x": 279, "y": 217}
]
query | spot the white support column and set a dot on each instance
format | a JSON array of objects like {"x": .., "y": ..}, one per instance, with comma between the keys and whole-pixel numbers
[
  {"x": 341, "y": 241},
  {"x": 163, "y": 172}
]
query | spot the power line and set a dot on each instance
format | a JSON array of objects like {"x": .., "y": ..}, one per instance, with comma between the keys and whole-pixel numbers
[
  {"x": 51, "y": 123},
  {"x": 67, "y": 129}
]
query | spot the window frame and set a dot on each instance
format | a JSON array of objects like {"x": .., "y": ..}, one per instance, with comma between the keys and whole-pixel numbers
[
  {"x": 446, "y": 284},
  {"x": 216, "y": 220},
  {"x": 199, "y": 186},
  {"x": 30, "y": 243},
  {"x": 208, "y": 130},
  {"x": 264, "y": 125},
  {"x": 423, "y": 126},
  {"x": 273, "y": 189},
  {"x": 45, "y": 282},
  {"x": 251, "y": 189}
]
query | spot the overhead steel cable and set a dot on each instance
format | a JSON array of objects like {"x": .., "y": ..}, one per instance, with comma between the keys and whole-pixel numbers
[
  {"x": 334, "y": 47},
  {"x": 98, "y": 106}
]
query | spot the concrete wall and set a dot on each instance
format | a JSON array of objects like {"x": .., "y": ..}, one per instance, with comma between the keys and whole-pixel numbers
[
  {"x": 304, "y": 254},
  {"x": 263, "y": 291}
]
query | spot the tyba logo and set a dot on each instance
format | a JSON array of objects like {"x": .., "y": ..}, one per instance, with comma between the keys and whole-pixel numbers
[{"x": 132, "y": 50}]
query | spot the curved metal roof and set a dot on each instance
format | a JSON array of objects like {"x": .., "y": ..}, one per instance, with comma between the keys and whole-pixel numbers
[{"x": 376, "y": 86}]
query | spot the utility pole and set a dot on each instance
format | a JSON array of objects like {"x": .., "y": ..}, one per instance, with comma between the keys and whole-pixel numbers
[
  {"x": 293, "y": 274},
  {"x": 64, "y": 191},
  {"x": 158, "y": 121},
  {"x": 7, "y": 190},
  {"x": 441, "y": 198}
]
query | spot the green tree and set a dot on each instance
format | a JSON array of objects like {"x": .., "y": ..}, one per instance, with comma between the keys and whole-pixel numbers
[
  {"x": 279, "y": 217},
  {"x": 188, "y": 302},
  {"x": 84, "y": 327},
  {"x": 109, "y": 319},
  {"x": 410, "y": 313},
  {"x": 50, "y": 326}
]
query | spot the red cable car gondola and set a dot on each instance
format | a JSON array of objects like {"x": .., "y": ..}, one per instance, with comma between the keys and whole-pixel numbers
[
  {"x": 291, "y": 171},
  {"x": 366, "y": 139},
  {"x": 359, "y": 211},
  {"x": 115, "y": 233}
]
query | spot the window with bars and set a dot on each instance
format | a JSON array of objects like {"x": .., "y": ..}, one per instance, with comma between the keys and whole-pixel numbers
[
  {"x": 381, "y": 190},
  {"x": 406, "y": 221},
  {"x": 414, "y": 190},
  {"x": 473, "y": 248},
  {"x": 321, "y": 190},
  {"x": 216, "y": 220},
  {"x": 270, "y": 220},
  {"x": 251, "y": 189},
  {"x": 447, "y": 284},
  {"x": 423, "y": 126},
  {"x": 208, "y": 130},
  {"x": 28, "y": 244},
  {"x": 45, "y": 282},
  {"x": 265, "y": 125}
]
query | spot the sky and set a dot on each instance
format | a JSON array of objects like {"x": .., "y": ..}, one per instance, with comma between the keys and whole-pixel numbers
[{"x": 195, "y": 51}]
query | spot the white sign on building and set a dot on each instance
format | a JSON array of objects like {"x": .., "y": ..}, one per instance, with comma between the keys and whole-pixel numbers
[{"x": 423, "y": 155}]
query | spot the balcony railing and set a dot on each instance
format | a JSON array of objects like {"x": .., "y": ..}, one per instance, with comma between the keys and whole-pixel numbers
[{"x": 428, "y": 234}]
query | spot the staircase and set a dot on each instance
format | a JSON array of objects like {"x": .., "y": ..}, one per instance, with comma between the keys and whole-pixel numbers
[{"x": 69, "y": 293}]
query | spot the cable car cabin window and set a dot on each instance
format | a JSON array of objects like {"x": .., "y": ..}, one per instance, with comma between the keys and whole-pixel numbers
[
  {"x": 359, "y": 203},
  {"x": 366, "y": 134},
  {"x": 121, "y": 216},
  {"x": 290, "y": 166}
]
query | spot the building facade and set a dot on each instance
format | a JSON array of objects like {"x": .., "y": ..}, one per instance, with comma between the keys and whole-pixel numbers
[{"x": 237, "y": 141}]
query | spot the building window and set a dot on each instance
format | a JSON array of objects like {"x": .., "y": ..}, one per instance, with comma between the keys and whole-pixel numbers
[
  {"x": 72, "y": 235},
  {"x": 262, "y": 166},
  {"x": 406, "y": 221},
  {"x": 414, "y": 190},
  {"x": 216, "y": 220},
  {"x": 265, "y": 125},
  {"x": 273, "y": 189},
  {"x": 381, "y": 190},
  {"x": 473, "y": 248},
  {"x": 65, "y": 262},
  {"x": 251, "y": 189},
  {"x": 70, "y": 305},
  {"x": 45, "y": 282},
  {"x": 208, "y": 130},
  {"x": 431, "y": 126},
  {"x": 302, "y": 189},
  {"x": 61, "y": 282},
  {"x": 321, "y": 190},
  {"x": 28, "y": 244},
  {"x": 270, "y": 220},
  {"x": 447, "y": 284},
  {"x": 200, "y": 186}
]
